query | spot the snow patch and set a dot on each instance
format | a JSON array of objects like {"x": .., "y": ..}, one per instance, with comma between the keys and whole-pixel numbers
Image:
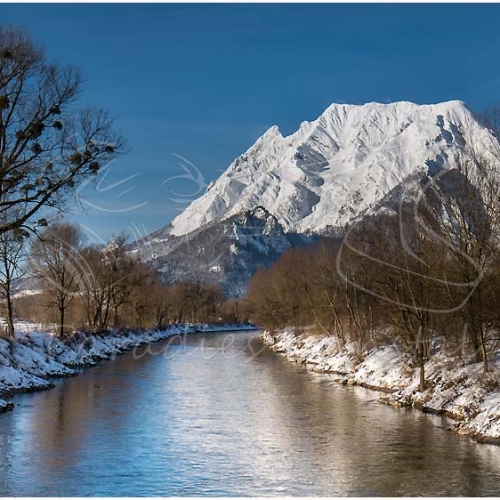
[
  {"x": 461, "y": 392},
  {"x": 29, "y": 361}
]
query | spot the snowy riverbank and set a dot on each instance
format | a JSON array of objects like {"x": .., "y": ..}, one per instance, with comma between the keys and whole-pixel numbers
[
  {"x": 461, "y": 392},
  {"x": 33, "y": 358}
]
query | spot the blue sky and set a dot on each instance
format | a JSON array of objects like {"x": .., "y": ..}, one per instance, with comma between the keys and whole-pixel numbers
[{"x": 193, "y": 86}]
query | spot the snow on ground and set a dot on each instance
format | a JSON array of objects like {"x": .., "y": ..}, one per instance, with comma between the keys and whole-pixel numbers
[
  {"x": 28, "y": 362},
  {"x": 460, "y": 391},
  {"x": 4, "y": 406}
]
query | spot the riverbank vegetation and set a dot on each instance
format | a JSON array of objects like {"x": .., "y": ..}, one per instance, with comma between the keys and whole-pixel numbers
[
  {"x": 423, "y": 274},
  {"x": 96, "y": 287}
]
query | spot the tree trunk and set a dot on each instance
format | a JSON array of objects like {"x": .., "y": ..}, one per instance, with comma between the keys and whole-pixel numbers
[
  {"x": 10, "y": 315},
  {"x": 62, "y": 310},
  {"x": 421, "y": 355},
  {"x": 115, "y": 317},
  {"x": 421, "y": 386},
  {"x": 484, "y": 354},
  {"x": 475, "y": 313}
]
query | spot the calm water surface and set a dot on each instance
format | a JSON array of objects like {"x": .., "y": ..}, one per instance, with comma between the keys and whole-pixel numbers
[{"x": 219, "y": 414}]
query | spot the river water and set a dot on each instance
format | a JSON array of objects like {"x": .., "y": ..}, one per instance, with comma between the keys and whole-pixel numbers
[{"x": 221, "y": 415}]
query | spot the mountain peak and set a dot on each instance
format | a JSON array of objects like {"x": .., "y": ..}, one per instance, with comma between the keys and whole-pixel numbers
[
  {"x": 336, "y": 166},
  {"x": 272, "y": 132},
  {"x": 401, "y": 105}
]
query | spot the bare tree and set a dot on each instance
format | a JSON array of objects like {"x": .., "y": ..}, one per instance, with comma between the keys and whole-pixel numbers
[
  {"x": 55, "y": 258},
  {"x": 136, "y": 291},
  {"x": 11, "y": 253},
  {"x": 48, "y": 142},
  {"x": 234, "y": 311},
  {"x": 160, "y": 299},
  {"x": 470, "y": 219},
  {"x": 97, "y": 286},
  {"x": 103, "y": 286},
  {"x": 263, "y": 300}
]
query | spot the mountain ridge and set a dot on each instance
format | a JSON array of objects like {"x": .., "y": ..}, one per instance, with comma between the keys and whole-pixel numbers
[{"x": 333, "y": 167}]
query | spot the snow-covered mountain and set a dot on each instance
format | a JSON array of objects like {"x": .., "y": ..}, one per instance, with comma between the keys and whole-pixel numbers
[
  {"x": 316, "y": 180},
  {"x": 336, "y": 166}
]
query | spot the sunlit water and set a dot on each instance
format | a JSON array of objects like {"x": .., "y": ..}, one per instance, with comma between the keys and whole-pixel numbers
[{"x": 219, "y": 414}]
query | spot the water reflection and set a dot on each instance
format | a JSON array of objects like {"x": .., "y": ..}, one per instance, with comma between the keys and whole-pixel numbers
[{"x": 209, "y": 416}]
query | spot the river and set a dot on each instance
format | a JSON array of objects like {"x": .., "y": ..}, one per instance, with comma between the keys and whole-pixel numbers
[{"x": 220, "y": 415}]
